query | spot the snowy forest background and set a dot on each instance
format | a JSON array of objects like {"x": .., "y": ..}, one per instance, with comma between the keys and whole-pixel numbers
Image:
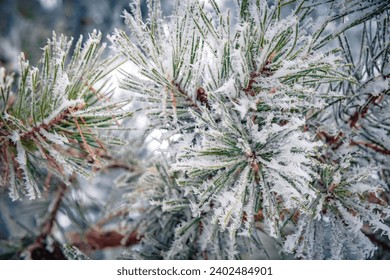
[{"x": 139, "y": 205}]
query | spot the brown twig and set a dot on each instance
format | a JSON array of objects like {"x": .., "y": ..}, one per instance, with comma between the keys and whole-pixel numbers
[
  {"x": 362, "y": 112},
  {"x": 249, "y": 88},
  {"x": 184, "y": 94},
  {"x": 48, "y": 226},
  {"x": 109, "y": 218},
  {"x": 334, "y": 141},
  {"x": 371, "y": 146},
  {"x": 96, "y": 139},
  {"x": 86, "y": 146},
  {"x": 46, "y": 126},
  {"x": 47, "y": 182},
  {"x": 264, "y": 71},
  {"x": 38, "y": 249},
  {"x": 96, "y": 239},
  {"x": 121, "y": 166}
]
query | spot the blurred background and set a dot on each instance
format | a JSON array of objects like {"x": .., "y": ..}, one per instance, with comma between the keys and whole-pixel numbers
[{"x": 25, "y": 25}]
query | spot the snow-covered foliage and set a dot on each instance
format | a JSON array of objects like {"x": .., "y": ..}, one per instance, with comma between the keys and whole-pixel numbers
[
  {"x": 237, "y": 91},
  {"x": 274, "y": 131},
  {"x": 241, "y": 167},
  {"x": 50, "y": 122},
  {"x": 347, "y": 207}
]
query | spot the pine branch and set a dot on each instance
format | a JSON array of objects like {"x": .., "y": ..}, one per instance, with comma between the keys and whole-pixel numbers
[
  {"x": 38, "y": 250},
  {"x": 274, "y": 129},
  {"x": 251, "y": 157},
  {"x": 55, "y": 115}
]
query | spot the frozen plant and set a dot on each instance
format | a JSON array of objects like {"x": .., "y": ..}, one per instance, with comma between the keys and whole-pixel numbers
[
  {"x": 240, "y": 98},
  {"x": 51, "y": 122},
  {"x": 275, "y": 130}
]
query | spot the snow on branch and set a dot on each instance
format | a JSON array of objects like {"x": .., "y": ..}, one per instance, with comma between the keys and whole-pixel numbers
[{"x": 54, "y": 113}]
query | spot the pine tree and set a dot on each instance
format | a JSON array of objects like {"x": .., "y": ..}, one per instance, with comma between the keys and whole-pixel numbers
[{"x": 273, "y": 127}]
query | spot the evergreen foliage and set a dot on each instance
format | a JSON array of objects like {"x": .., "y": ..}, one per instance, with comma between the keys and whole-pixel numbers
[
  {"x": 51, "y": 121},
  {"x": 274, "y": 129}
]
